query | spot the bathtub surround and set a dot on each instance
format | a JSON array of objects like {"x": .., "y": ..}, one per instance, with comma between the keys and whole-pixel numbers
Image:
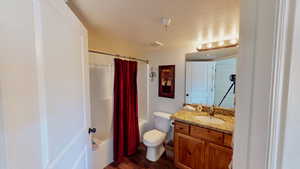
[
  {"x": 142, "y": 83},
  {"x": 126, "y": 127},
  {"x": 101, "y": 86}
]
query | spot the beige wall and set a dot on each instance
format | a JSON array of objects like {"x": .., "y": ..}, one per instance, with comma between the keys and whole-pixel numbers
[
  {"x": 104, "y": 41},
  {"x": 168, "y": 57},
  {"x": 111, "y": 44}
]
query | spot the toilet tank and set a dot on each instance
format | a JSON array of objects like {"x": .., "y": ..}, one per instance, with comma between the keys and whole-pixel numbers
[{"x": 162, "y": 121}]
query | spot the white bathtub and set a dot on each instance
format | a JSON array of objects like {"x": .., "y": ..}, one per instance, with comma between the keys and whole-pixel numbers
[{"x": 103, "y": 153}]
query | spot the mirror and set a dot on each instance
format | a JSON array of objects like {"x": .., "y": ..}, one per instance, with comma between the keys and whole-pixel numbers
[{"x": 210, "y": 78}]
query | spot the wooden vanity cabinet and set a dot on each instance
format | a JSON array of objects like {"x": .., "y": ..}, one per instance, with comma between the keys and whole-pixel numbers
[
  {"x": 201, "y": 148},
  {"x": 217, "y": 157},
  {"x": 186, "y": 149}
]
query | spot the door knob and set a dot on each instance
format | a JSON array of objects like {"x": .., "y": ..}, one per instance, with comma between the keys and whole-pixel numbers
[{"x": 92, "y": 130}]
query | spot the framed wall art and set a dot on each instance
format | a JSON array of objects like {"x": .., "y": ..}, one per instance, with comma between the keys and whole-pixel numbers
[{"x": 166, "y": 87}]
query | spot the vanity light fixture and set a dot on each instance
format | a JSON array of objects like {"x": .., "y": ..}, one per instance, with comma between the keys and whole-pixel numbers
[{"x": 218, "y": 45}]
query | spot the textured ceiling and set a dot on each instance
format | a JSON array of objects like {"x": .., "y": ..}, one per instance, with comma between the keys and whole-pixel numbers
[{"x": 138, "y": 21}]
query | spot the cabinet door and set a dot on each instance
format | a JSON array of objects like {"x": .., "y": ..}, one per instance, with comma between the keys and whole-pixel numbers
[
  {"x": 189, "y": 152},
  {"x": 217, "y": 157}
]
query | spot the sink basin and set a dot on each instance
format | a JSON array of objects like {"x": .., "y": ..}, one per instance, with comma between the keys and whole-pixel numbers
[{"x": 208, "y": 119}]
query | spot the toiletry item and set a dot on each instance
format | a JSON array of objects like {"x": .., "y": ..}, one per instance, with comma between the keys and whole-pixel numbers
[
  {"x": 199, "y": 108},
  {"x": 188, "y": 107}
]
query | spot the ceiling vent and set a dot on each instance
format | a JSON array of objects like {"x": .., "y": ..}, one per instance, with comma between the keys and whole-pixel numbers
[{"x": 157, "y": 44}]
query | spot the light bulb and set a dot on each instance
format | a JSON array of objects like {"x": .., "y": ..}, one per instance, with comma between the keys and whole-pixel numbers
[
  {"x": 221, "y": 43},
  {"x": 200, "y": 46},
  {"x": 233, "y": 41},
  {"x": 209, "y": 45}
]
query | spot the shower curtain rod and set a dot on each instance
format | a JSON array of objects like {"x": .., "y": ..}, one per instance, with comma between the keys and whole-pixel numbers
[{"x": 119, "y": 56}]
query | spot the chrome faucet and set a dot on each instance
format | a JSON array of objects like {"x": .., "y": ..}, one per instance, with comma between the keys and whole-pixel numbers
[{"x": 211, "y": 111}]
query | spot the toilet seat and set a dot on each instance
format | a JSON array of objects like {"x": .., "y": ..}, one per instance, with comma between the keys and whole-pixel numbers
[{"x": 154, "y": 138}]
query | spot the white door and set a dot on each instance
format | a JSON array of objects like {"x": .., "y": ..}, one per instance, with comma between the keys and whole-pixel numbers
[
  {"x": 44, "y": 96},
  {"x": 200, "y": 82}
]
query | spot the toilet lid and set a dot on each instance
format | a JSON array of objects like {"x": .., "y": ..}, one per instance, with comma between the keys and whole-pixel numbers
[{"x": 154, "y": 137}]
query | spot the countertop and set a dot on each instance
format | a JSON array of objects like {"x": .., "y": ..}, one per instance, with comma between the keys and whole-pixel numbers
[{"x": 189, "y": 117}]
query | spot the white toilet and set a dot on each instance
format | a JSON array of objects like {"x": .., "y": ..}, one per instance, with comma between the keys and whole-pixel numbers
[{"x": 155, "y": 138}]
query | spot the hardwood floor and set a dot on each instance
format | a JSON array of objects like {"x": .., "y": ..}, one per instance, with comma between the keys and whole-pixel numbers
[{"x": 138, "y": 161}]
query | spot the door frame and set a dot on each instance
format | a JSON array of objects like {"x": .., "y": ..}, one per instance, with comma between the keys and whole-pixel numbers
[
  {"x": 2, "y": 138},
  {"x": 262, "y": 84}
]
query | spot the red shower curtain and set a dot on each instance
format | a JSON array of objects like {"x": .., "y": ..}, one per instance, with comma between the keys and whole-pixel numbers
[{"x": 126, "y": 127}]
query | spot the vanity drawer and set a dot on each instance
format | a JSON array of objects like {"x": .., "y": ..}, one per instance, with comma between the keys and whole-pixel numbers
[
  {"x": 227, "y": 140},
  {"x": 207, "y": 134},
  {"x": 181, "y": 128}
]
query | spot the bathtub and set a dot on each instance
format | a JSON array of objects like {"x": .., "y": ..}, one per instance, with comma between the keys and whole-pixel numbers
[{"x": 103, "y": 148}]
